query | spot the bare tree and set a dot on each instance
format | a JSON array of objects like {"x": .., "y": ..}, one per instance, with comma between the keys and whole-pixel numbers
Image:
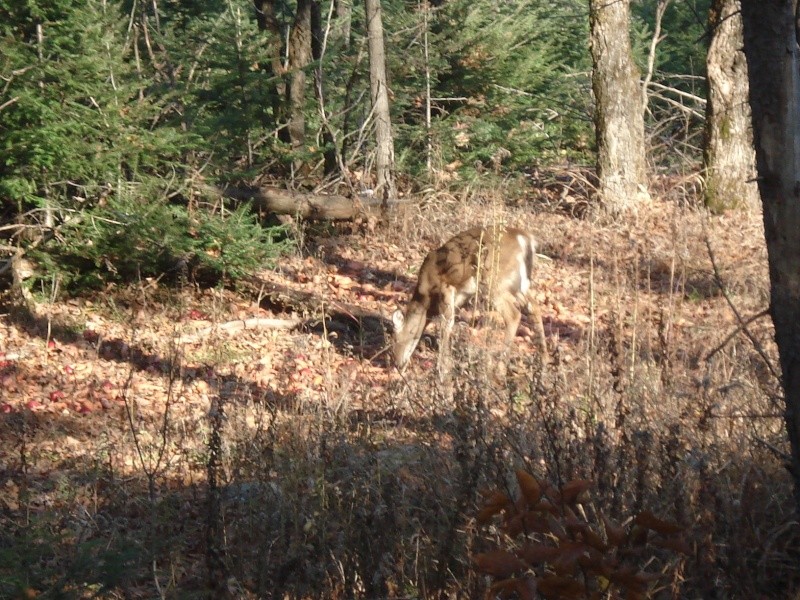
[
  {"x": 299, "y": 58},
  {"x": 384, "y": 152},
  {"x": 290, "y": 98},
  {"x": 728, "y": 154},
  {"x": 619, "y": 114},
  {"x": 773, "y": 60},
  {"x": 267, "y": 19}
]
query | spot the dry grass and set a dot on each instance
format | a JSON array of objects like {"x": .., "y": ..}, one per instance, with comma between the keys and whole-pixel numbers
[{"x": 258, "y": 484}]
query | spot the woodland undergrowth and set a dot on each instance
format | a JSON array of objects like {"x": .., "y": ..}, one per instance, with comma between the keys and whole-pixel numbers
[{"x": 642, "y": 460}]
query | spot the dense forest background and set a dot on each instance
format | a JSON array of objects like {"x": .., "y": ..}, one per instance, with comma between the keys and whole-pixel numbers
[
  {"x": 126, "y": 108},
  {"x": 201, "y": 240}
]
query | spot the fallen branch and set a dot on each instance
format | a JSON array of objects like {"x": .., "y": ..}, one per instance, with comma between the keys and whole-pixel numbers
[
  {"x": 240, "y": 325},
  {"x": 742, "y": 323},
  {"x": 737, "y": 331},
  {"x": 326, "y": 207}
]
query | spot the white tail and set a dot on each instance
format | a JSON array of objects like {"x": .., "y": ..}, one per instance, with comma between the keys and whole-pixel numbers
[{"x": 495, "y": 263}]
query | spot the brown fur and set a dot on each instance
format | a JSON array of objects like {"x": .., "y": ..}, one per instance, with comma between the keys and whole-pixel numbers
[{"x": 488, "y": 262}]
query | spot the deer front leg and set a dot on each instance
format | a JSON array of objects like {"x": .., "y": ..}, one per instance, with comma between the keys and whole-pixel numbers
[{"x": 531, "y": 307}]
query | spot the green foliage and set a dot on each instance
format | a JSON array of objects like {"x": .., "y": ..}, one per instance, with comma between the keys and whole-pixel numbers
[
  {"x": 128, "y": 238},
  {"x": 96, "y": 101},
  {"x": 682, "y": 49},
  {"x": 223, "y": 81},
  {"x": 45, "y": 556},
  {"x": 76, "y": 121},
  {"x": 510, "y": 76},
  {"x": 88, "y": 123}
]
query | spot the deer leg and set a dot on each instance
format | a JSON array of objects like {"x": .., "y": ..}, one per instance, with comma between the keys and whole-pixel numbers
[
  {"x": 532, "y": 309},
  {"x": 506, "y": 305},
  {"x": 538, "y": 328},
  {"x": 448, "y": 316}
]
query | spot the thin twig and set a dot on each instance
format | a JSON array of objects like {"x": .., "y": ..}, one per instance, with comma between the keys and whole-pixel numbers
[
  {"x": 762, "y": 313},
  {"x": 683, "y": 94},
  {"x": 661, "y": 8},
  {"x": 742, "y": 322},
  {"x": 776, "y": 451}
]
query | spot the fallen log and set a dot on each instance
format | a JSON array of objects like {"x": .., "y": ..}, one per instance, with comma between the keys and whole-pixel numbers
[
  {"x": 240, "y": 325},
  {"x": 326, "y": 207}
]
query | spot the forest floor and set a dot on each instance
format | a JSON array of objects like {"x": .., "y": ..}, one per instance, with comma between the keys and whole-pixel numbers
[{"x": 333, "y": 466}]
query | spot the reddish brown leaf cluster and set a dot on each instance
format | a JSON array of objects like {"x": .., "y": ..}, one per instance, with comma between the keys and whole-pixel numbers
[{"x": 556, "y": 552}]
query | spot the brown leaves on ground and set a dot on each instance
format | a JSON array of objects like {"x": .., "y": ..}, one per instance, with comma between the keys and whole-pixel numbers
[
  {"x": 71, "y": 379},
  {"x": 499, "y": 563},
  {"x": 563, "y": 555}
]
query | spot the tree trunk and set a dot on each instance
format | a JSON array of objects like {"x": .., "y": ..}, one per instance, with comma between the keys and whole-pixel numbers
[
  {"x": 279, "y": 201},
  {"x": 299, "y": 58},
  {"x": 770, "y": 45},
  {"x": 343, "y": 33},
  {"x": 384, "y": 158},
  {"x": 343, "y": 10},
  {"x": 268, "y": 21},
  {"x": 728, "y": 155},
  {"x": 619, "y": 115},
  {"x": 331, "y": 162}
]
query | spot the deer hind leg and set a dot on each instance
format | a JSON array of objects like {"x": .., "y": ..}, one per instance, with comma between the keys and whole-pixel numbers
[
  {"x": 448, "y": 319},
  {"x": 531, "y": 307},
  {"x": 506, "y": 309},
  {"x": 506, "y": 305}
]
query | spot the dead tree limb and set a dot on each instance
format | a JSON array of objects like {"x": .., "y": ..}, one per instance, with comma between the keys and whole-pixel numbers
[
  {"x": 239, "y": 325},
  {"x": 324, "y": 207}
]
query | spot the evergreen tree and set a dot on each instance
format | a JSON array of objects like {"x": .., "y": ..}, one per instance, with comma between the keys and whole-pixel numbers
[
  {"x": 91, "y": 145},
  {"x": 75, "y": 124}
]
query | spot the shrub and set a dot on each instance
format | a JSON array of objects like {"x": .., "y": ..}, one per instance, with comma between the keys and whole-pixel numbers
[{"x": 128, "y": 239}]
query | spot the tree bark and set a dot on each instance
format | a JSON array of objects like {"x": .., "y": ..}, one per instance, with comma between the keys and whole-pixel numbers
[
  {"x": 773, "y": 60},
  {"x": 384, "y": 157},
  {"x": 325, "y": 207},
  {"x": 299, "y": 58},
  {"x": 619, "y": 115},
  {"x": 331, "y": 162},
  {"x": 728, "y": 154},
  {"x": 343, "y": 10},
  {"x": 268, "y": 22}
]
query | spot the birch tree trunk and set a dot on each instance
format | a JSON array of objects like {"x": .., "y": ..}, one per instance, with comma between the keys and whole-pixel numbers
[
  {"x": 619, "y": 114},
  {"x": 773, "y": 61},
  {"x": 384, "y": 144},
  {"x": 728, "y": 154}
]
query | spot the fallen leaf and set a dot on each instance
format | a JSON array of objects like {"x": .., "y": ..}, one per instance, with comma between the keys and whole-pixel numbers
[
  {"x": 648, "y": 520},
  {"x": 530, "y": 488},
  {"x": 498, "y": 563}
]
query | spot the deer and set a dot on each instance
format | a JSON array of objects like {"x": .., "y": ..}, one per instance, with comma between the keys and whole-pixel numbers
[{"x": 495, "y": 264}]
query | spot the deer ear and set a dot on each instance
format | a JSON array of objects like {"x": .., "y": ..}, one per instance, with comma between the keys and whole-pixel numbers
[{"x": 398, "y": 320}]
